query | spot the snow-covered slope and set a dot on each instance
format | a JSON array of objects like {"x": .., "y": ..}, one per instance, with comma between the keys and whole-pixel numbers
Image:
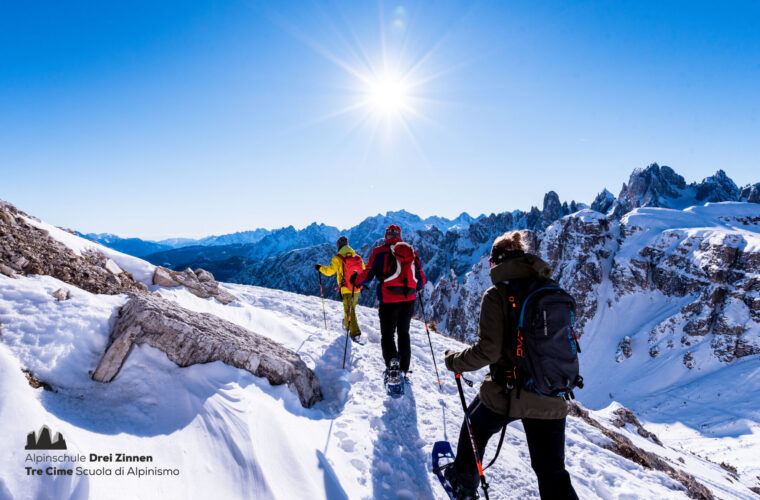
[
  {"x": 231, "y": 435},
  {"x": 214, "y": 431}
]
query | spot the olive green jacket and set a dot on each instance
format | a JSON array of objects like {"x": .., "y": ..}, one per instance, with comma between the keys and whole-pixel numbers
[{"x": 489, "y": 349}]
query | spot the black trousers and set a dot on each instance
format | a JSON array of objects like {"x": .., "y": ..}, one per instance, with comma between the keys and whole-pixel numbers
[
  {"x": 546, "y": 443},
  {"x": 396, "y": 317}
]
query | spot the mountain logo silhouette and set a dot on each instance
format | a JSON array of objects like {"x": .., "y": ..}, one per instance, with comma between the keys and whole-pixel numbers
[{"x": 43, "y": 441}]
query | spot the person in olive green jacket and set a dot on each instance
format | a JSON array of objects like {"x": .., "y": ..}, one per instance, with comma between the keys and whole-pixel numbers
[
  {"x": 495, "y": 406},
  {"x": 337, "y": 267}
]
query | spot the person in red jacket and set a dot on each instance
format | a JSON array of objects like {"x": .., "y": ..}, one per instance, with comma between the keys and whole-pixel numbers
[{"x": 397, "y": 267}]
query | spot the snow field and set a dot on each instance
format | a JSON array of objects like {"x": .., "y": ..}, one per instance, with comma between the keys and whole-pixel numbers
[{"x": 233, "y": 435}]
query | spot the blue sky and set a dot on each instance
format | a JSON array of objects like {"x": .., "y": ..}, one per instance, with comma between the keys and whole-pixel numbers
[{"x": 159, "y": 119}]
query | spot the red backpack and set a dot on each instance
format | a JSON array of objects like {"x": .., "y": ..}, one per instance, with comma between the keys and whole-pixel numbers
[
  {"x": 403, "y": 279},
  {"x": 351, "y": 265}
]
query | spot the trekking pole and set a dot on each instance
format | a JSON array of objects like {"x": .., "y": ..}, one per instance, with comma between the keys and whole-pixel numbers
[
  {"x": 350, "y": 315},
  {"x": 483, "y": 482},
  {"x": 324, "y": 314},
  {"x": 435, "y": 365}
]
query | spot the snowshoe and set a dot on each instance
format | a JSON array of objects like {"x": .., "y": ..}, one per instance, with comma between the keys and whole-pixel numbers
[
  {"x": 443, "y": 468},
  {"x": 443, "y": 458},
  {"x": 393, "y": 380}
]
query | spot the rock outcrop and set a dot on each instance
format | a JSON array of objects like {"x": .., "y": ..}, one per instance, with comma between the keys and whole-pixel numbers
[
  {"x": 624, "y": 350},
  {"x": 25, "y": 249},
  {"x": 190, "y": 338},
  {"x": 61, "y": 294},
  {"x": 624, "y": 447},
  {"x": 200, "y": 283}
]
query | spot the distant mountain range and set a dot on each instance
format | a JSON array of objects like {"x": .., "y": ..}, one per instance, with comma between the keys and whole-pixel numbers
[
  {"x": 286, "y": 237},
  {"x": 283, "y": 258}
]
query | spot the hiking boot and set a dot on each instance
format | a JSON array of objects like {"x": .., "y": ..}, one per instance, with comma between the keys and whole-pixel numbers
[{"x": 461, "y": 492}]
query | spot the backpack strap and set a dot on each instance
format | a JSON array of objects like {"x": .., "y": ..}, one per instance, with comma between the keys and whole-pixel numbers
[
  {"x": 387, "y": 262},
  {"x": 511, "y": 308},
  {"x": 343, "y": 264}
]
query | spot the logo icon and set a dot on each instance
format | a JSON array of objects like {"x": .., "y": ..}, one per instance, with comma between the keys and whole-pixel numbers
[{"x": 43, "y": 441}]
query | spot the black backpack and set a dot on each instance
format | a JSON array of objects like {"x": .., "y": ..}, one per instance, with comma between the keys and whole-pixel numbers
[{"x": 541, "y": 342}]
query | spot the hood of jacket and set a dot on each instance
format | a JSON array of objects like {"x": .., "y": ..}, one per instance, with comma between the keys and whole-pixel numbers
[
  {"x": 522, "y": 266},
  {"x": 346, "y": 251}
]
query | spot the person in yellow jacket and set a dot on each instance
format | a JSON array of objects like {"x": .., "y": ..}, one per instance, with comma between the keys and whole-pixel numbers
[{"x": 345, "y": 261}]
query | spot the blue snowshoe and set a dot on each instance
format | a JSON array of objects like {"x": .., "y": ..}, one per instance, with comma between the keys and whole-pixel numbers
[{"x": 443, "y": 468}]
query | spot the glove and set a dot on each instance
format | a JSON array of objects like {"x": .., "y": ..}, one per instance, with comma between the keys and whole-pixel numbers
[
  {"x": 449, "y": 360},
  {"x": 352, "y": 278},
  {"x": 317, "y": 267}
]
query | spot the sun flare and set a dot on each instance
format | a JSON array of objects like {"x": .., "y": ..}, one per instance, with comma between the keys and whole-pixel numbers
[{"x": 387, "y": 95}]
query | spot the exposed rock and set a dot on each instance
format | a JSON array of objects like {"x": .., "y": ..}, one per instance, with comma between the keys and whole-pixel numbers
[
  {"x": 18, "y": 263},
  {"x": 190, "y": 338},
  {"x": 624, "y": 350},
  {"x": 164, "y": 277},
  {"x": 113, "y": 267},
  {"x": 624, "y": 447},
  {"x": 626, "y": 416},
  {"x": 61, "y": 294},
  {"x": 200, "y": 283},
  {"x": 204, "y": 275},
  {"x": 688, "y": 360},
  {"x": 30, "y": 250},
  {"x": 35, "y": 382},
  {"x": 6, "y": 270}
]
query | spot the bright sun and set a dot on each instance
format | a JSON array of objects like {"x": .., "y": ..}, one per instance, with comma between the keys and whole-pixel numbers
[{"x": 387, "y": 95}]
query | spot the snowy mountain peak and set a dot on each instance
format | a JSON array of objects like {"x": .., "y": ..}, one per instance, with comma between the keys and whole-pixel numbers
[
  {"x": 552, "y": 206},
  {"x": 603, "y": 201},
  {"x": 653, "y": 186},
  {"x": 718, "y": 187}
]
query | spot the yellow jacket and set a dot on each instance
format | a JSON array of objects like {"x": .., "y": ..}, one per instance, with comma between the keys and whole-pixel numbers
[{"x": 336, "y": 266}]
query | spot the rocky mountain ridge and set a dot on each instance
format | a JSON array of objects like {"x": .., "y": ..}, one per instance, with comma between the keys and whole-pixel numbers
[{"x": 704, "y": 258}]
